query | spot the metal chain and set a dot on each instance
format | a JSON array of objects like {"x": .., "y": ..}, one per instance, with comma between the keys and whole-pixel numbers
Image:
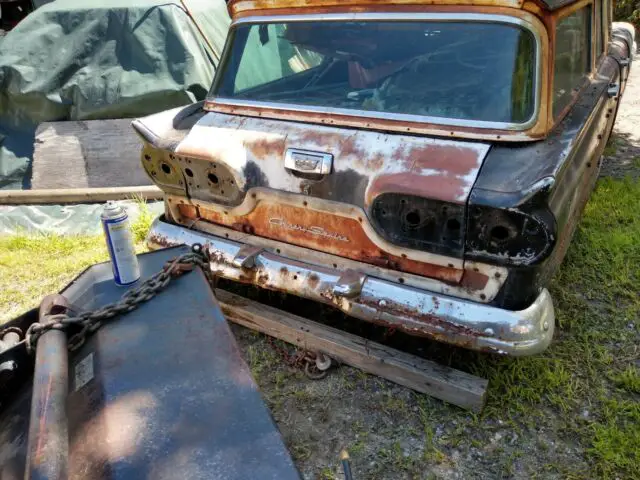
[
  {"x": 91, "y": 321},
  {"x": 304, "y": 360}
]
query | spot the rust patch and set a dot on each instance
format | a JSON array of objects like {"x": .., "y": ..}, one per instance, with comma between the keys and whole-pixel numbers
[
  {"x": 239, "y": 8},
  {"x": 442, "y": 172},
  {"x": 443, "y": 186},
  {"x": 313, "y": 280},
  {"x": 376, "y": 163},
  {"x": 400, "y": 153},
  {"x": 415, "y": 323},
  {"x": 348, "y": 148},
  {"x": 254, "y": 277},
  {"x": 265, "y": 147},
  {"x": 190, "y": 211},
  {"x": 324, "y": 232},
  {"x": 307, "y": 136},
  {"x": 406, "y": 127},
  {"x": 456, "y": 160},
  {"x": 160, "y": 240},
  {"x": 474, "y": 280}
]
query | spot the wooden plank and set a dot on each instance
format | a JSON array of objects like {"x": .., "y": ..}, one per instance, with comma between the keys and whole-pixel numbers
[
  {"x": 453, "y": 386},
  {"x": 81, "y": 154},
  {"x": 78, "y": 195}
]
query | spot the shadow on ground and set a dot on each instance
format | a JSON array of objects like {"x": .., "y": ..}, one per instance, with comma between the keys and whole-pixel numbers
[{"x": 621, "y": 157}]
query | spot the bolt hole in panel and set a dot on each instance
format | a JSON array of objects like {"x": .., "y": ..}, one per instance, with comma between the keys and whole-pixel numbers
[
  {"x": 163, "y": 169},
  {"x": 212, "y": 182}
]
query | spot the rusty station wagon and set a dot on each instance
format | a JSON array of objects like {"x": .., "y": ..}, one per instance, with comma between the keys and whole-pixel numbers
[{"x": 418, "y": 164}]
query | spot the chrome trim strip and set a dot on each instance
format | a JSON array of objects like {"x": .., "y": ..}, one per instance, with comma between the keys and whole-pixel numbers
[
  {"x": 448, "y": 319},
  {"x": 397, "y": 17},
  {"x": 375, "y": 16}
]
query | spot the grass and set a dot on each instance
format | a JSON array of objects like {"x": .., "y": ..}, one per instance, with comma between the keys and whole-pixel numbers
[
  {"x": 592, "y": 362},
  {"x": 612, "y": 146},
  {"x": 34, "y": 266},
  {"x": 585, "y": 388}
]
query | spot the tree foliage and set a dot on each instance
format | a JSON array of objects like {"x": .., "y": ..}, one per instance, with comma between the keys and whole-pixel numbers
[{"x": 628, "y": 11}]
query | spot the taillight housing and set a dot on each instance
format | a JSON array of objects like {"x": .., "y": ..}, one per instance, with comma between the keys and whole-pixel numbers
[
  {"x": 420, "y": 223},
  {"x": 509, "y": 236}
]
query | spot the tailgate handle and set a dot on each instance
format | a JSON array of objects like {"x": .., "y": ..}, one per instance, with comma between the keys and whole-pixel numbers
[{"x": 306, "y": 161}]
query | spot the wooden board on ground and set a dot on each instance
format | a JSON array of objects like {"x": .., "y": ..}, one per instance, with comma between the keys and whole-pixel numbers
[
  {"x": 81, "y": 154},
  {"x": 453, "y": 386},
  {"x": 60, "y": 196}
]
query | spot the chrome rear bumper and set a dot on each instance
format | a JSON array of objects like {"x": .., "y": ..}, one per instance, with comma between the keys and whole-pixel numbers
[{"x": 420, "y": 312}]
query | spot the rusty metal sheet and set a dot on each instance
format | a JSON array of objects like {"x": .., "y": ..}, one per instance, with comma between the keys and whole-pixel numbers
[
  {"x": 396, "y": 126},
  {"x": 253, "y": 149},
  {"x": 162, "y": 393},
  {"x": 480, "y": 282},
  {"x": 332, "y": 234},
  {"x": 251, "y": 152}
]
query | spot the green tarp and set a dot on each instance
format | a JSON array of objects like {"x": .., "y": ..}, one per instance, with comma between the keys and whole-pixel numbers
[{"x": 85, "y": 60}]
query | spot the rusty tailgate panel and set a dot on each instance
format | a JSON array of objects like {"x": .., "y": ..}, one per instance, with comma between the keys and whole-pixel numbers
[
  {"x": 251, "y": 153},
  {"x": 338, "y": 235},
  {"x": 365, "y": 163}
]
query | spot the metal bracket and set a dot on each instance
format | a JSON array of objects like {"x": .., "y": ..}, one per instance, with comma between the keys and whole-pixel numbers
[
  {"x": 613, "y": 90},
  {"x": 349, "y": 284},
  {"x": 246, "y": 256}
]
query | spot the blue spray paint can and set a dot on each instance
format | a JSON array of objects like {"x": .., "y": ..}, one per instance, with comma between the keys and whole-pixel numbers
[{"x": 117, "y": 230}]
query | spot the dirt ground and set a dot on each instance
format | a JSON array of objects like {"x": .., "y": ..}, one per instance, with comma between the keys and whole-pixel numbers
[{"x": 394, "y": 433}]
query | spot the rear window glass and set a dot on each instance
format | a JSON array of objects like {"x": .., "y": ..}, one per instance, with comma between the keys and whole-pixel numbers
[{"x": 467, "y": 70}]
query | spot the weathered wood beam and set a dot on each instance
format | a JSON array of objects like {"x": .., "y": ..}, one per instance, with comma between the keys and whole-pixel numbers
[
  {"x": 78, "y": 195},
  {"x": 453, "y": 386}
]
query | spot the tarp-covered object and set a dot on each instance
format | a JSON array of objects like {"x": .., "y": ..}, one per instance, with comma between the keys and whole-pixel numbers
[{"x": 83, "y": 60}]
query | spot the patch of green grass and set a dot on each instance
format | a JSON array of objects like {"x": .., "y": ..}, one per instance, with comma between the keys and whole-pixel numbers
[
  {"x": 616, "y": 439},
  {"x": 612, "y": 146},
  {"x": 636, "y": 162},
  {"x": 358, "y": 447},
  {"x": 396, "y": 457},
  {"x": 32, "y": 266},
  {"x": 393, "y": 405},
  {"x": 596, "y": 295},
  {"x": 327, "y": 474},
  {"x": 628, "y": 379},
  {"x": 301, "y": 451},
  {"x": 260, "y": 359},
  {"x": 143, "y": 222}
]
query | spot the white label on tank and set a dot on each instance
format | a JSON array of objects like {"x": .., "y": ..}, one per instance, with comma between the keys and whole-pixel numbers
[
  {"x": 84, "y": 372},
  {"x": 124, "y": 251}
]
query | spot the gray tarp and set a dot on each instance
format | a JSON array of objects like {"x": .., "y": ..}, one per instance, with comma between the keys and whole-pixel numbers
[
  {"x": 63, "y": 219},
  {"x": 83, "y": 60}
]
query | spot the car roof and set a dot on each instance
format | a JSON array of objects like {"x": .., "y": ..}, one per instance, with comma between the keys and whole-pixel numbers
[{"x": 237, "y": 7}]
